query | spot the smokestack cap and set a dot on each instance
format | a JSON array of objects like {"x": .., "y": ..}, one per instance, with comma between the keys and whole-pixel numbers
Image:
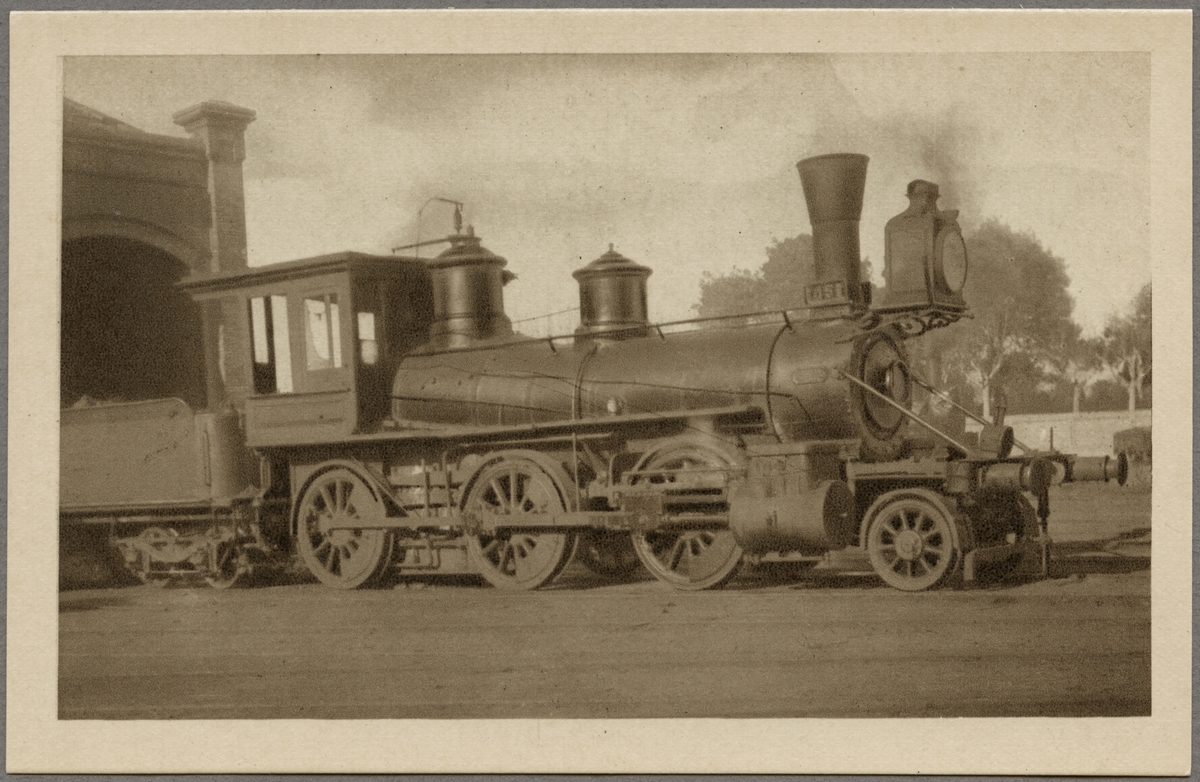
[
  {"x": 612, "y": 263},
  {"x": 833, "y": 186}
]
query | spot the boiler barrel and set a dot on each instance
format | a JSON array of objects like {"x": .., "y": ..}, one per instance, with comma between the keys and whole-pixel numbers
[{"x": 792, "y": 372}]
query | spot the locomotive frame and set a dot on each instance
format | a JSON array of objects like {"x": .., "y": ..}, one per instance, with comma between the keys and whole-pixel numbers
[{"x": 378, "y": 417}]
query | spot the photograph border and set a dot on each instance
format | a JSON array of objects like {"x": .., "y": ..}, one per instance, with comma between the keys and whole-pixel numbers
[{"x": 38, "y": 742}]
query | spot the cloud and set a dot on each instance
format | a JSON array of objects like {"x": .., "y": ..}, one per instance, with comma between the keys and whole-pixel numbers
[{"x": 685, "y": 162}]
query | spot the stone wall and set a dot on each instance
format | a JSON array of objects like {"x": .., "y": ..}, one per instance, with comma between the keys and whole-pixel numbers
[{"x": 1086, "y": 434}]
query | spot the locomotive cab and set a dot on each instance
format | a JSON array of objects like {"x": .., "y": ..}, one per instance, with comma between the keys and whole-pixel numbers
[{"x": 307, "y": 348}]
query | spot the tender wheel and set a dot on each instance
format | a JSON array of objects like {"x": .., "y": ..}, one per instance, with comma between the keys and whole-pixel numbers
[
  {"x": 694, "y": 558},
  {"x": 343, "y": 558},
  {"x": 156, "y": 537},
  {"x": 608, "y": 554},
  {"x": 910, "y": 541},
  {"x": 518, "y": 489},
  {"x": 227, "y": 566}
]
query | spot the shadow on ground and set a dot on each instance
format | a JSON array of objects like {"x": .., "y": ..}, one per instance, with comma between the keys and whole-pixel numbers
[{"x": 1128, "y": 552}]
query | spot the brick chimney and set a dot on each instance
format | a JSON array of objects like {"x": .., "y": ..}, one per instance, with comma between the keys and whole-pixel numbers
[{"x": 221, "y": 127}]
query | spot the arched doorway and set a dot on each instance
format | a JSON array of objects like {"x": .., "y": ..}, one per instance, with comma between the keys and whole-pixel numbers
[{"x": 127, "y": 333}]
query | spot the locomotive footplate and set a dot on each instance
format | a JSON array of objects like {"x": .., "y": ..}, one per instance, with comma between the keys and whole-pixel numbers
[{"x": 633, "y": 520}]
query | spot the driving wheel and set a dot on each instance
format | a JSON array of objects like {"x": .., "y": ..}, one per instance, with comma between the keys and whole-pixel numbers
[
  {"x": 692, "y": 478},
  {"x": 337, "y": 553},
  {"x": 518, "y": 553}
]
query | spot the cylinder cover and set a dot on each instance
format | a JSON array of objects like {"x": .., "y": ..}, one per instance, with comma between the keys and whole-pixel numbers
[{"x": 817, "y": 520}]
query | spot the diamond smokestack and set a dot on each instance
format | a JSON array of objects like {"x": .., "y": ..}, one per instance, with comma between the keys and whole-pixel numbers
[{"x": 833, "y": 189}]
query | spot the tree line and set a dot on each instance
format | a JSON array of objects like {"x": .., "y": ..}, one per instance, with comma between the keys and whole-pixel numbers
[{"x": 1021, "y": 342}]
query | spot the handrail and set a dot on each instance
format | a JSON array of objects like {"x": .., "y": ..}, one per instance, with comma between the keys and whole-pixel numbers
[
  {"x": 920, "y": 421},
  {"x": 781, "y": 316}
]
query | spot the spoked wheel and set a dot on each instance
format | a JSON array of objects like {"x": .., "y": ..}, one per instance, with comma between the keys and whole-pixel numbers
[
  {"x": 608, "y": 554},
  {"x": 689, "y": 558},
  {"x": 227, "y": 566},
  {"x": 910, "y": 541},
  {"x": 343, "y": 557},
  {"x": 518, "y": 489}
]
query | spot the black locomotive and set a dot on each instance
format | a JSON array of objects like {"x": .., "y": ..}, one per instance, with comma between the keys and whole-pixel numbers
[{"x": 379, "y": 416}]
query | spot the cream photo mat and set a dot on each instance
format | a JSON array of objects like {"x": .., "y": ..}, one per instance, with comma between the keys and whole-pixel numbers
[{"x": 38, "y": 742}]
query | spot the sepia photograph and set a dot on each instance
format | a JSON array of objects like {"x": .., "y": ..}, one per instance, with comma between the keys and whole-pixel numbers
[{"x": 629, "y": 407}]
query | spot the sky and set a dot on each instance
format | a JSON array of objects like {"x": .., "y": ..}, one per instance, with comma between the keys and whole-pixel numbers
[{"x": 685, "y": 163}]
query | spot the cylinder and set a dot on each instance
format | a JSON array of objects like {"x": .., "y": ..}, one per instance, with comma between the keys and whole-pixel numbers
[
  {"x": 996, "y": 440},
  {"x": 833, "y": 190},
  {"x": 1100, "y": 468},
  {"x": 813, "y": 521},
  {"x": 1034, "y": 476}
]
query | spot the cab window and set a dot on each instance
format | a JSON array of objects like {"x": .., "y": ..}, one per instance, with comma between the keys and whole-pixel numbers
[
  {"x": 368, "y": 347},
  {"x": 272, "y": 352},
  {"x": 322, "y": 333}
]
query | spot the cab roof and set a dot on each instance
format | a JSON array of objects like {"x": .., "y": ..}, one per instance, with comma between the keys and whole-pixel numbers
[{"x": 352, "y": 263}]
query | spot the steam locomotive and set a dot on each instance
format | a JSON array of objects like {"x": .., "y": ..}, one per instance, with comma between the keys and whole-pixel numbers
[{"x": 379, "y": 417}]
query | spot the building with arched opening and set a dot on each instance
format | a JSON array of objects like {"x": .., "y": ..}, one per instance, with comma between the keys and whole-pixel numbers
[{"x": 140, "y": 212}]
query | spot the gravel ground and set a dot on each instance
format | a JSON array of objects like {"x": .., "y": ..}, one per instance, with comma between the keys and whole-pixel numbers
[{"x": 831, "y": 643}]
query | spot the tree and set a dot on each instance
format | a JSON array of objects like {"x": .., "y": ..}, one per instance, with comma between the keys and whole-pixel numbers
[
  {"x": 1128, "y": 345},
  {"x": 1017, "y": 293},
  {"x": 1073, "y": 360},
  {"x": 1016, "y": 290},
  {"x": 776, "y": 285}
]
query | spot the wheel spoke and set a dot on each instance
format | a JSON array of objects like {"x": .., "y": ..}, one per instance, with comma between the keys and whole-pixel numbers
[
  {"x": 327, "y": 499},
  {"x": 514, "y": 490},
  {"x": 506, "y": 557},
  {"x": 498, "y": 491},
  {"x": 909, "y": 540},
  {"x": 514, "y": 559},
  {"x": 344, "y": 557},
  {"x": 677, "y": 552}
]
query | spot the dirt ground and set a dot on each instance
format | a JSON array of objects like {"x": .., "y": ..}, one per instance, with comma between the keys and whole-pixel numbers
[{"x": 831, "y": 643}]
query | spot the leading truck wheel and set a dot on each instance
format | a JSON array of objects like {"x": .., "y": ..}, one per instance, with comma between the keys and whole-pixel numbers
[
  {"x": 689, "y": 559},
  {"x": 343, "y": 557},
  {"x": 517, "y": 555},
  {"x": 910, "y": 540}
]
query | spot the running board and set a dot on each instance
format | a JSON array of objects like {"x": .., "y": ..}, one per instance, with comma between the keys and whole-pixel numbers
[{"x": 475, "y": 523}]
